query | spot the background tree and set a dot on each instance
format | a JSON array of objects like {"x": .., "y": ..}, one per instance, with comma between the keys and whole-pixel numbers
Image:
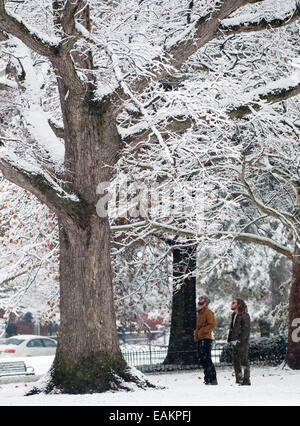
[
  {"x": 29, "y": 255},
  {"x": 181, "y": 349},
  {"x": 248, "y": 176},
  {"x": 142, "y": 285}
]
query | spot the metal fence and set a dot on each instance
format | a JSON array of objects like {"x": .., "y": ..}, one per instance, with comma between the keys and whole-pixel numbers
[
  {"x": 155, "y": 358},
  {"x": 150, "y": 357}
]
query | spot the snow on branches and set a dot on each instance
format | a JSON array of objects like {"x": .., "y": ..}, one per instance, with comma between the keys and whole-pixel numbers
[
  {"x": 204, "y": 98},
  {"x": 29, "y": 254}
]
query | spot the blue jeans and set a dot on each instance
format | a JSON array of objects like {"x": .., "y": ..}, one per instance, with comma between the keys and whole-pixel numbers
[{"x": 204, "y": 359}]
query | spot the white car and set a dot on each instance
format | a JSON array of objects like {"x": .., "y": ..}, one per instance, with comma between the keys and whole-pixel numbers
[{"x": 27, "y": 345}]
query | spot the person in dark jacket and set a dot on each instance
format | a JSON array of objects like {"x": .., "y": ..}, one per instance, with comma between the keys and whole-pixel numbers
[
  {"x": 239, "y": 337},
  {"x": 205, "y": 324}
]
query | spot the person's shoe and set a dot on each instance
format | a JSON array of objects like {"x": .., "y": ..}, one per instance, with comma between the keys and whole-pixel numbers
[
  {"x": 214, "y": 382},
  {"x": 239, "y": 379},
  {"x": 245, "y": 383}
]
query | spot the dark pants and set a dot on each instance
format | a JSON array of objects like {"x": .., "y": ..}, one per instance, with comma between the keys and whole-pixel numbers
[
  {"x": 240, "y": 359},
  {"x": 204, "y": 359}
]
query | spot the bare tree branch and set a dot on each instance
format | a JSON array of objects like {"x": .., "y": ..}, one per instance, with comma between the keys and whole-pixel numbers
[
  {"x": 266, "y": 242},
  {"x": 245, "y": 237},
  {"x": 281, "y": 90},
  {"x": 274, "y": 95},
  {"x": 57, "y": 199},
  {"x": 261, "y": 24},
  {"x": 18, "y": 29},
  {"x": 58, "y": 54},
  {"x": 206, "y": 29},
  {"x": 58, "y": 131},
  {"x": 284, "y": 217}
]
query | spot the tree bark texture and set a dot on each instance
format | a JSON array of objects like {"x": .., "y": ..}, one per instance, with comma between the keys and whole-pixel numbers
[
  {"x": 181, "y": 349},
  {"x": 88, "y": 356}
]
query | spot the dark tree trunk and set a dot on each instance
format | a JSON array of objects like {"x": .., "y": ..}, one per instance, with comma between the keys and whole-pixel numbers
[
  {"x": 293, "y": 350},
  {"x": 181, "y": 348}
]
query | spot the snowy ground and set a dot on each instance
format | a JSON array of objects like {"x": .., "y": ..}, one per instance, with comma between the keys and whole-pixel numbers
[{"x": 270, "y": 386}]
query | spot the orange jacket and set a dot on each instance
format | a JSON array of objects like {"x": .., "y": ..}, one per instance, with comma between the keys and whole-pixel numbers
[{"x": 205, "y": 323}]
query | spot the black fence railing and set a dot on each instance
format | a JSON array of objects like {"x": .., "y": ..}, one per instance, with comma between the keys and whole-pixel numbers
[{"x": 158, "y": 358}]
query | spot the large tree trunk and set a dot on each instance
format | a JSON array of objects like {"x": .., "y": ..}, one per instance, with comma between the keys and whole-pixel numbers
[
  {"x": 88, "y": 356},
  {"x": 293, "y": 350}
]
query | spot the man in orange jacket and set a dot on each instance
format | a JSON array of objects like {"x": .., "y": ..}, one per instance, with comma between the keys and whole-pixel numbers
[{"x": 205, "y": 324}]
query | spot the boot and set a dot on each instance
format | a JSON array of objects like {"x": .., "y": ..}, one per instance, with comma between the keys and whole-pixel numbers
[
  {"x": 214, "y": 382},
  {"x": 238, "y": 378},
  {"x": 246, "y": 379}
]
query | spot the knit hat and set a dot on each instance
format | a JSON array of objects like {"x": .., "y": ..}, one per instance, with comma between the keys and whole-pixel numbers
[{"x": 207, "y": 300}]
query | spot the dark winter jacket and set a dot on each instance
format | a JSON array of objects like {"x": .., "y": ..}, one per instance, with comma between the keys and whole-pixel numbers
[
  {"x": 240, "y": 328},
  {"x": 205, "y": 323}
]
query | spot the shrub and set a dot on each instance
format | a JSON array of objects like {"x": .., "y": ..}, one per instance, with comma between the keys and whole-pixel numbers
[{"x": 264, "y": 349}]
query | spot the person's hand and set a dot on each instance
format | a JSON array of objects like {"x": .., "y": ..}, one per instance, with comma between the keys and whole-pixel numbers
[{"x": 234, "y": 342}]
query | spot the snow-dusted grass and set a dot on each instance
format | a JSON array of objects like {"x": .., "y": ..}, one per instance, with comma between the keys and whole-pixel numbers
[{"x": 270, "y": 386}]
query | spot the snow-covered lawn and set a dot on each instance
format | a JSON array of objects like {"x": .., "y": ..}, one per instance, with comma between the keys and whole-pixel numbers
[{"x": 270, "y": 386}]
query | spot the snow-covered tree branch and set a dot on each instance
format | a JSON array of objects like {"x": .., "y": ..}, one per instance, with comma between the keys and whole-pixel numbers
[{"x": 148, "y": 99}]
